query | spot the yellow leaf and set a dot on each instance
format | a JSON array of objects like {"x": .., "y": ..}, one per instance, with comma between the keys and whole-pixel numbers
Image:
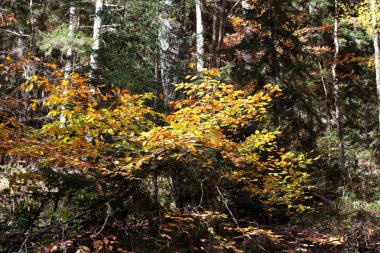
[
  {"x": 302, "y": 165},
  {"x": 267, "y": 86},
  {"x": 52, "y": 66},
  {"x": 214, "y": 72},
  {"x": 30, "y": 87},
  {"x": 64, "y": 82},
  {"x": 34, "y": 106}
]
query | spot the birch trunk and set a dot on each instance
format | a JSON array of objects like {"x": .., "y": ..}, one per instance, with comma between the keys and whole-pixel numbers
[
  {"x": 200, "y": 38},
  {"x": 215, "y": 33},
  {"x": 247, "y": 54},
  {"x": 169, "y": 53},
  {"x": 336, "y": 93},
  {"x": 31, "y": 46},
  {"x": 169, "y": 62},
  {"x": 377, "y": 55},
  {"x": 326, "y": 96},
  {"x": 95, "y": 36},
  {"x": 68, "y": 61}
]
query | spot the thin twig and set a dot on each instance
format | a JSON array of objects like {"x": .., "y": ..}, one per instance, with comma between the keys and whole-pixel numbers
[
  {"x": 226, "y": 205},
  {"x": 15, "y": 33},
  {"x": 233, "y": 7},
  {"x": 109, "y": 212},
  {"x": 202, "y": 193}
]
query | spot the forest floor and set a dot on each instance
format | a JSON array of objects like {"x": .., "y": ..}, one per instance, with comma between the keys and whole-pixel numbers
[{"x": 355, "y": 227}]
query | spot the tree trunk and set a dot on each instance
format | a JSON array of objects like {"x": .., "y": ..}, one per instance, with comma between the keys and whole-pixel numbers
[
  {"x": 169, "y": 53},
  {"x": 69, "y": 53},
  {"x": 247, "y": 53},
  {"x": 154, "y": 189},
  {"x": 222, "y": 20},
  {"x": 169, "y": 62},
  {"x": 95, "y": 36},
  {"x": 336, "y": 93},
  {"x": 68, "y": 61},
  {"x": 200, "y": 39},
  {"x": 215, "y": 33},
  {"x": 31, "y": 46},
  {"x": 377, "y": 55},
  {"x": 326, "y": 97},
  {"x": 275, "y": 67}
]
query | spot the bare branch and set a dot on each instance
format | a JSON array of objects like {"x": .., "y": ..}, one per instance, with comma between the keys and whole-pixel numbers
[
  {"x": 108, "y": 212},
  {"x": 21, "y": 34}
]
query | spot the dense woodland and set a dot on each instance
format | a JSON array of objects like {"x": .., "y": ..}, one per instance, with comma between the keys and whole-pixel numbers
[{"x": 189, "y": 126}]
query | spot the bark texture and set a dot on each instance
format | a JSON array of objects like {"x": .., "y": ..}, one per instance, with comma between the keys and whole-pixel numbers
[
  {"x": 336, "y": 93},
  {"x": 377, "y": 54},
  {"x": 69, "y": 59},
  {"x": 200, "y": 38},
  {"x": 169, "y": 52},
  {"x": 96, "y": 35}
]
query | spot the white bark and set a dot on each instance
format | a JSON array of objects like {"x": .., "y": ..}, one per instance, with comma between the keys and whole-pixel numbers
[
  {"x": 336, "y": 92},
  {"x": 200, "y": 38},
  {"x": 31, "y": 22},
  {"x": 69, "y": 53},
  {"x": 96, "y": 34},
  {"x": 247, "y": 54},
  {"x": 326, "y": 95},
  {"x": 377, "y": 54},
  {"x": 169, "y": 53},
  {"x": 68, "y": 63},
  {"x": 245, "y": 6}
]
